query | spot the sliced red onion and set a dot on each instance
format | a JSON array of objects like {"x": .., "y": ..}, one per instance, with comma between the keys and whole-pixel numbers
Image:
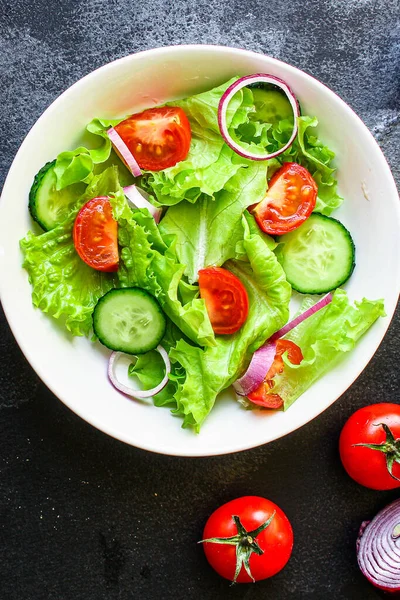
[
  {"x": 139, "y": 394},
  {"x": 123, "y": 151},
  {"x": 263, "y": 358},
  {"x": 300, "y": 318},
  {"x": 227, "y": 97},
  {"x": 259, "y": 366},
  {"x": 378, "y": 549},
  {"x": 137, "y": 199}
]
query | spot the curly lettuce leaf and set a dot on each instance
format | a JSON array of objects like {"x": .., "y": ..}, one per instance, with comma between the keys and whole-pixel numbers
[
  {"x": 63, "y": 286},
  {"x": 207, "y": 233},
  {"x": 208, "y": 371},
  {"x": 74, "y": 166},
  {"x": 325, "y": 339},
  {"x": 309, "y": 151},
  {"x": 146, "y": 262}
]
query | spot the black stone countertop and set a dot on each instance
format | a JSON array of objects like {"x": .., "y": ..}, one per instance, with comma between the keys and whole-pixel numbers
[{"x": 86, "y": 517}]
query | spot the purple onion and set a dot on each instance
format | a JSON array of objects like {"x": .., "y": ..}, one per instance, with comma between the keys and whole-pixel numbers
[
  {"x": 227, "y": 97},
  {"x": 378, "y": 549}
]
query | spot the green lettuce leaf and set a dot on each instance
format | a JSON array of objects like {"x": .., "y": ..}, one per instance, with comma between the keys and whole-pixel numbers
[
  {"x": 62, "y": 284},
  {"x": 208, "y": 232},
  {"x": 324, "y": 339},
  {"x": 146, "y": 262},
  {"x": 310, "y": 152},
  {"x": 77, "y": 165},
  {"x": 208, "y": 371}
]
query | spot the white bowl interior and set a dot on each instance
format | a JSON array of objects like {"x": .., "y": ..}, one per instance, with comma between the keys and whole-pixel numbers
[{"x": 74, "y": 368}]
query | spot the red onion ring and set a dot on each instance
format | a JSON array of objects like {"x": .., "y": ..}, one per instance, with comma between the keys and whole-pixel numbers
[
  {"x": 137, "y": 200},
  {"x": 263, "y": 358},
  {"x": 123, "y": 152},
  {"x": 378, "y": 549},
  {"x": 139, "y": 394},
  {"x": 227, "y": 97}
]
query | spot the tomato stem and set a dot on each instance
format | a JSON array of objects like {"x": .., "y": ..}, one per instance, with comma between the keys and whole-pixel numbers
[
  {"x": 245, "y": 542},
  {"x": 390, "y": 447}
]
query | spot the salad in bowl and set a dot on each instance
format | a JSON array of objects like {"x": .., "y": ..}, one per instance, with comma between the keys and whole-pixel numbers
[{"x": 198, "y": 244}]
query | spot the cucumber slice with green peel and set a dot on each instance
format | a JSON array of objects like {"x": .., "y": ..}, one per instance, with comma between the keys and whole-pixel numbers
[
  {"x": 271, "y": 106},
  {"x": 129, "y": 320},
  {"x": 317, "y": 257},
  {"x": 48, "y": 206}
]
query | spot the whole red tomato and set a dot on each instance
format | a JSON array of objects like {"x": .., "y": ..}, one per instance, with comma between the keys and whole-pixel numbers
[
  {"x": 370, "y": 446},
  {"x": 248, "y": 539}
]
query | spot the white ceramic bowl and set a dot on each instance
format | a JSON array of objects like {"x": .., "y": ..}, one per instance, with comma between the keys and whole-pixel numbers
[{"x": 75, "y": 369}]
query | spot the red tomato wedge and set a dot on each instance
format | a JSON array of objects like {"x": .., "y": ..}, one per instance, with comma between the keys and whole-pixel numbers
[
  {"x": 226, "y": 299},
  {"x": 158, "y": 137},
  {"x": 290, "y": 200},
  {"x": 95, "y": 235},
  {"x": 261, "y": 395}
]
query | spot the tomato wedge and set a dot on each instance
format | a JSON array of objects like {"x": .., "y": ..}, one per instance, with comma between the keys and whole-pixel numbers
[
  {"x": 95, "y": 235},
  {"x": 261, "y": 395},
  {"x": 226, "y": 299},
  {"x": 290, "y": 200},
  {"x": 158, "y": 137}
]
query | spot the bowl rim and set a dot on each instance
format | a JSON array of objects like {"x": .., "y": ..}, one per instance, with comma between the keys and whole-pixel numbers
[{"x": 29, "y": 354}]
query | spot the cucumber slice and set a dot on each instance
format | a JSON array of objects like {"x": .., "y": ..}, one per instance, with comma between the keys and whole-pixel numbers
[
  {"x": 317, "y": 257},
  {"x": 48, "y": 206},
  {"x": 129, "y": 320},
  {"x": 271, "y": 106}
]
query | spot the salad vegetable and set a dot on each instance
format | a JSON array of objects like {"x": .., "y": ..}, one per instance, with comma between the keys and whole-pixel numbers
[
  {"x": 95, "y": 235},
  {"x": 157, "y": 138},
  {"x": 378, "y": 549},
  {"x": 278, "y": 86},
  {"x": 290, "y": 200},
  {"x": 123, "y": 152},
  {"x": 135, "y": 393},
  {"x": 166, "y": 254},
  {"x": 319, "y": 256},
  {"x": 262, "y": 395},
  {"x": 248, "y": 539},
  {"x": 47, "y": 205},
  {"x": 264, "y": 358},
  {"x": 129, "y": 320},
  {"x": 226, "y": 299},
  {"x": 370, "y": 446},
  {"x": 139, "y": 199}
]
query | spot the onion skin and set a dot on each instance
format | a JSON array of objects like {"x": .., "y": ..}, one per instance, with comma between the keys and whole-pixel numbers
[{"x": 378, "y": 549}]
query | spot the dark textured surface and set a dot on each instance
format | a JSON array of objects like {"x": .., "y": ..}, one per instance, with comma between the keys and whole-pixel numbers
[{"x": 86, "y": 517}]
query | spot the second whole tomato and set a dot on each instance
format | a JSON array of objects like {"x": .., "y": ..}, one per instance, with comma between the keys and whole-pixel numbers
[
  {"x": 369, "y": 446},
  {"x": 248, "y": 539}
]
